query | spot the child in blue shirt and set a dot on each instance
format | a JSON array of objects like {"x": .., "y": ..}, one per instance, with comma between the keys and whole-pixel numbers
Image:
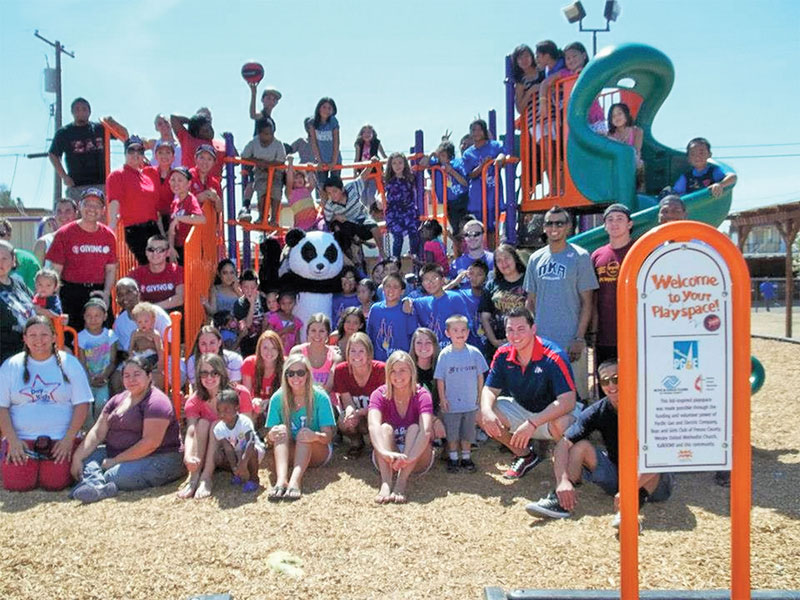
[
  {"x": 349, "y": 278},
  {"x": 475, "y": 275},
  {"x": 388, "y": 326},
  {"x": 702, "y": 175},
  {"x": 432, "y": 311}
]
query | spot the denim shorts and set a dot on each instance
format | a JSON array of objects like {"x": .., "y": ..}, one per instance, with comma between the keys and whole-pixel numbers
[{"x": 605, "y": 473}]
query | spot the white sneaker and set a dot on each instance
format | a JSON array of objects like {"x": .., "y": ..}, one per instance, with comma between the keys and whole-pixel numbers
[{"x": 615, "y": 522}]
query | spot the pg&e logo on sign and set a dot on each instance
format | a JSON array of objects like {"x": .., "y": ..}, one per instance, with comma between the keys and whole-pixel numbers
[{"x": 684, "y": 355}]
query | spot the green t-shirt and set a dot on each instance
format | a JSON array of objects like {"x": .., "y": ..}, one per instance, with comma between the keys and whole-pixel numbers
[
  {"x": 27, "y": 266},
  {"x": 323, "y": 413}
]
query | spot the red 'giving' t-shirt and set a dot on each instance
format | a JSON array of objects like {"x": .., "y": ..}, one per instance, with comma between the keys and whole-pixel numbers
[
  {"x": 157, "y": 287},
  {"x": 197, "y": 187},
  {"x": 83, "y": 255},
  {"x": 345, "y": 383},
  {"x": 136, "y": 194}
]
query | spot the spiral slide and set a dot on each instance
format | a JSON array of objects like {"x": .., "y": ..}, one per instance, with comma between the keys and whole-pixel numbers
[{"x": 601, "y": 169}]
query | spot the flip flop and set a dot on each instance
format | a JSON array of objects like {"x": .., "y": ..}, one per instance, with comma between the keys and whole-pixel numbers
[
  {"x": 276, "y": 492},
  {"x": 398, "y": 498},
  {"x": 292, "y": 494}
]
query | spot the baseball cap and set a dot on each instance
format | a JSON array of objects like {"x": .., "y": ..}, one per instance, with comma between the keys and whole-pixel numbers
[
  {"x": 206, "y": 148},
  {"x": 133, "y": 141},
  {"x": 183, "y": 171},
  {"x": 93, "y": 192},
  {"x": 617, "y": 207}
]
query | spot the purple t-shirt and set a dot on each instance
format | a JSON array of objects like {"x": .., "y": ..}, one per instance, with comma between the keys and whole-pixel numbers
[
  {"x": 125, "y": 430},
  {"x": 420, "y": 403}
]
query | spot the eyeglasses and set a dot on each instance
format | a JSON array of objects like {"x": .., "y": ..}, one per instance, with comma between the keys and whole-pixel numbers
[
  {"x": 474, "y": 234},
  {"x": 156, "y": 250},
  {"x": 555, "y": 223},
  {"x": 204, "y": 374},
  {"x": 296, "y": 373},
  {"x": 613, "y": 379}
]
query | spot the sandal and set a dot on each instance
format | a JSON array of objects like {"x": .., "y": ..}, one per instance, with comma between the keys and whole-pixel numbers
[
  {"x": 292, "y": 494},
  {"x": 398, "y": 498},
  {"x": 276, "y": 492}
]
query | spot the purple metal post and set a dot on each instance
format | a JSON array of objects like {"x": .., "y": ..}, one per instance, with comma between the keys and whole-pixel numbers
[
  {"x": 419, "y": 177},
  {"x": 230, "y": 191},
  {"x": 508, "y": 150},
  {"x": 245, "y": 232},
  {"x": 493, "y": 124}
]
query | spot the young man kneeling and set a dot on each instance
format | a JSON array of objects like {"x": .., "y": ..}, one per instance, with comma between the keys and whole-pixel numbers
[{"x": 576, "y": 459}]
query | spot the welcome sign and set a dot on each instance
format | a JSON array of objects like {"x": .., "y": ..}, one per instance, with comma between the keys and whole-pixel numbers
[{"x": 684, "y": 324}]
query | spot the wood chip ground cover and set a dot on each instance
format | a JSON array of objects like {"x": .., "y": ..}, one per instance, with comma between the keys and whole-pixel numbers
[{"x": 459, "y": 533}]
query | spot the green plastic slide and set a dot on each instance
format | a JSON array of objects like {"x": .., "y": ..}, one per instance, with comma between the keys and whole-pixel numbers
[{"x": 603, "y": 170}]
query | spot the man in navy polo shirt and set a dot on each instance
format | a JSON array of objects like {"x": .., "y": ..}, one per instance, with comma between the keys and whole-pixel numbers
[{"x": 529, "y": 393}]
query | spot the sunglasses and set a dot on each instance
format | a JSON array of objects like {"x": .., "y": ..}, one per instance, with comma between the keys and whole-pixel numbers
[
  {"x": 209, "y": 374},
  {"x": 473, "y": 235},
  {"x": 156, "y": 250},
  {"x": 296, "y": 373},
  {"x": 555, "y": 223},
  {"x": 609, "y": 380}
]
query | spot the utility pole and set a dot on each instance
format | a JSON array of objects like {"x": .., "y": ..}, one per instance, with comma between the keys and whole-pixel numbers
[{"x": 59, "y": 50}]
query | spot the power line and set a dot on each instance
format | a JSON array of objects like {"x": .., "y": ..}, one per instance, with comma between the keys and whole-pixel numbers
[
  {"x": 758, "y": 145},
  {"x": 759, "y": 156}
]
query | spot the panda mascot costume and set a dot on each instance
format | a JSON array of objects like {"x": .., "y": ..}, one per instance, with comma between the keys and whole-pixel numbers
[{"x": 311, "y": 266}]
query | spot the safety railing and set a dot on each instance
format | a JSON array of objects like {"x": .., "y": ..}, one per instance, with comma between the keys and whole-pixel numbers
[
  {"x": 199, "y": 266},
  {"x": 431, "y": 209},
  {"x": 545, "y": 178},
  {"x": 171, "y": 364},
  {"x": 61, "y": 327}
]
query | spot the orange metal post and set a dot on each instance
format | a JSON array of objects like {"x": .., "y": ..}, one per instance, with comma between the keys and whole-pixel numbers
[
  {"x": 175, "y": 355},
  {"x": 627, "y": 297}
]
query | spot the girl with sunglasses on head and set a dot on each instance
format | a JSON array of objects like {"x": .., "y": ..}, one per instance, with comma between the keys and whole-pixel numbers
[
  {"x": 202, "y": 455},
  {"x": 301, "y": 426}
]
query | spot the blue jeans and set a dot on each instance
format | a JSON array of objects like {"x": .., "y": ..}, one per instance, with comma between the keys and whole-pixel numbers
[
  {"x": 151, "y": 471},
  {"x": 397, "y": 243}
]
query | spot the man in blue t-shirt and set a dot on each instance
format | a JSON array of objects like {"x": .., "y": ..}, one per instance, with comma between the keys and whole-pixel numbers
[
  {"x": 576, "y": 459},
  {"x": 529, "y": 392},
  {"x": 433, "y": 310}
]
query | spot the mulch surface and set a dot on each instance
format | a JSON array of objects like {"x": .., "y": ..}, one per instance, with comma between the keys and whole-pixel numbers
[{"x": 459, "y": 532}]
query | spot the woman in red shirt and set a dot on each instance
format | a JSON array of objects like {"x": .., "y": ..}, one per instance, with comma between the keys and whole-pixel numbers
[
  {"x": 354, "y": 381},
  {"x": 133, "y": 198}
]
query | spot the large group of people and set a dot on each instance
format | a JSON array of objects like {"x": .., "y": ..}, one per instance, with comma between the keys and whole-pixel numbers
[{"x": 473, "y": 341}]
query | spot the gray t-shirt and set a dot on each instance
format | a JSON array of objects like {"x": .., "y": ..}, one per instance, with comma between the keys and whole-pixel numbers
[
  {"x": 558, "y": 280},
  {"x": 459, "y": 369}
]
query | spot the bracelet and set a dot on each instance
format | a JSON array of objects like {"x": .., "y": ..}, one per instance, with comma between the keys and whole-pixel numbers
[{"x": 535, "y": 426}]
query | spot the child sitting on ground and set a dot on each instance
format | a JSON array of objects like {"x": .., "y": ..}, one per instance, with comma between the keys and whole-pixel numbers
[
  {"x": 702, "y": 175},
  {"x": 146, "y": 342},
  {"x": 266, "y": 151},
  {"x": 97, "y": 351},
  {"x": 46, "y": 301},
  {"x": 284, "y": 323},
  {"x": 240, "y": 444},
  {"x": 459, "y": 379}
]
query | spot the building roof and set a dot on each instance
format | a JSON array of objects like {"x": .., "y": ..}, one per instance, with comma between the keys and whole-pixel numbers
[{"x": 766, "y": 215}]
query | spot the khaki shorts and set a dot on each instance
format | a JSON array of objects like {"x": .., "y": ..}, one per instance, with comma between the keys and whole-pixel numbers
[{"x": 517, "y": 414}]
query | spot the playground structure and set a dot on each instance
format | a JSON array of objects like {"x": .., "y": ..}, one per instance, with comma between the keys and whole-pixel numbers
[{"x": 577, "y": 168}]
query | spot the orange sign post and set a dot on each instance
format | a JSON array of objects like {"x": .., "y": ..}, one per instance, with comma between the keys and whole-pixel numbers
[{"x": 683, "y": 301}]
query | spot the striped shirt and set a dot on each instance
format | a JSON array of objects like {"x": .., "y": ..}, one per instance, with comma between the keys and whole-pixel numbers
[{"x": 354, "y": 209}]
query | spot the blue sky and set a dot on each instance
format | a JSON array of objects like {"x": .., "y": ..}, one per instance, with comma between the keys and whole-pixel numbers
[{"x": 400, "y": 66}]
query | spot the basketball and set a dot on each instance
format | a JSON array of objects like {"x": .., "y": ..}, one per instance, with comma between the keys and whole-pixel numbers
[{"x": 252, "y": 72}]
